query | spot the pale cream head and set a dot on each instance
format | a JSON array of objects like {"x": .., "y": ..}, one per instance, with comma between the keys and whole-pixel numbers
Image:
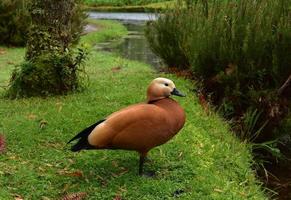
[{"x": 161, "y": 88}]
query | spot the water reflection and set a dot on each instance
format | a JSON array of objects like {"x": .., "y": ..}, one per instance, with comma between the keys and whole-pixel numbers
[
  {"x": 134, "y": 46},
  {"x": 123, "y": 16}
]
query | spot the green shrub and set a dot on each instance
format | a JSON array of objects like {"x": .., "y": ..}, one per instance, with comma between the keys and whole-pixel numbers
[
  {"x": 239, "y": 49},
  {"x": 14, "y": 22},
  {"x": 48, "y": 74}
]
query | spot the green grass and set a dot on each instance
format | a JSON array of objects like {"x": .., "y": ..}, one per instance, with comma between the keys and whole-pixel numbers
[
  {"x": 122, "y": 2},
  {"x": 150, "y": 7},
  {"x": 204, "y": 160},
  {"x": 106, "y": 31}
]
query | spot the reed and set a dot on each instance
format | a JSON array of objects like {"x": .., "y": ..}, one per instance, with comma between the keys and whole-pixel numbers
[{"x": 239, "y": 49}]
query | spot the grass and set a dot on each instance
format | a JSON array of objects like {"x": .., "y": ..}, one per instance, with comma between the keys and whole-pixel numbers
[
  {"x": 122, "y": 2},
  {"x": 150, "y": 7},
  {"x": 106, "y": 31},
  {"x": 204, "y": 161}
]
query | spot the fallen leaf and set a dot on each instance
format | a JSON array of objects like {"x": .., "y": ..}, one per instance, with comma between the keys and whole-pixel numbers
[
  {"x": 77, "y": 173},
  {"x": 10, "y": 63},
  {"x": 179, "y": 72},
  {"x": 2, "y": 51},
  {"x": 18, "y": 197},
  {"x": 41, "y": 169},
  {"x": 123, "y": 171},
  {"x": 242, "y": 193},
  {"x": 114, "y": 164},
  {"x": 117, "y": 197},
  {"x": 54, "y": 145},
  {"x": 102, "y": 180},
  {"x": 66, "y": 187},
  {"x": 12, "y": 157},
  {"x": 230, "y": 69},
  {"x": 115, "y": 69},
  {"x": 218, "y": 190},
  {"x": 123, "y": 189},
  {"x": 31, "y": 116},
  {"x": 75, "y": 196},
  {"x": 71, "y": 161},
  {"x": 59, "y": 106},
  {"x": 203, "y": 102},
  {"x": 48, "y": 164}
]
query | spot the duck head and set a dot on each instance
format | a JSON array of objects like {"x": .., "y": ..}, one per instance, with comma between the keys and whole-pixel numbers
[{"x": 161, "y": 88}]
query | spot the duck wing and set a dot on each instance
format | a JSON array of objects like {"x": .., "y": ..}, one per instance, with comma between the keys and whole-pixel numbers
[
  {"x": 138, "y": 127},
  {"x": 83, "y": 138}
]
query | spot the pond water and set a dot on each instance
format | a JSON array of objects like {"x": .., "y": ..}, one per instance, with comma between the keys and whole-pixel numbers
[
  {"x": 133, "y": 46},
  {"x": 141, "y": 17}
]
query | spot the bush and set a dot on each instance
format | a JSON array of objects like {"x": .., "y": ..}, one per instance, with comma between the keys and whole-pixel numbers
[
  {"x": 167, "y": 39},
  {"x": 239, "y": 49},
  {"x": 47, "y": 74},
  {"x": 51, "y": 66},
  {"x": 14, "y": 22}
]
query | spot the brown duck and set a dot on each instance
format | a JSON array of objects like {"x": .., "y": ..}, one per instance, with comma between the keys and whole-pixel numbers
[{"x": 139, "y": 127}]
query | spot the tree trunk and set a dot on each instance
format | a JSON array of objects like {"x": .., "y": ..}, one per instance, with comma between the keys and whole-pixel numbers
[{"x": 51, "y": 27}]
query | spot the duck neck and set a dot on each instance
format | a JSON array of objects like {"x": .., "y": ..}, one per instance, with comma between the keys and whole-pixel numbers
[{"x": 152, "y": 100}]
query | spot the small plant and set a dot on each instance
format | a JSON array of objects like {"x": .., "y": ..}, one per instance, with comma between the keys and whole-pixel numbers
[
  {"x": 48, "y": 74},
  {"x": 249, "y": 130}
]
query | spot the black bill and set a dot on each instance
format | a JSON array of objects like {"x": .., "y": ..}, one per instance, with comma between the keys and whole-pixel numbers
[{"x": 177, "y": 93}]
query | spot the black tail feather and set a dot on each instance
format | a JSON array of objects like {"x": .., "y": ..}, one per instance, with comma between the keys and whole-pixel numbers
[
  {"x": 82, "y": 144},
  {"x": 83, "y": 135}
]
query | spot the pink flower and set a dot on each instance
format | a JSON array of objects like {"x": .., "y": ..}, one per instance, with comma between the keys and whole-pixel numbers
[{"x": 2, "y": 143}]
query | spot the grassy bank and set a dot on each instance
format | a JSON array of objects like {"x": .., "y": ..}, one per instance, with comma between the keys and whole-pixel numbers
[
  {"x": 203, "y": 162},
  {"x": 151, "y": 7},
  {"x": 122, "y": 2},
  {"x": 106, "y": 31}
]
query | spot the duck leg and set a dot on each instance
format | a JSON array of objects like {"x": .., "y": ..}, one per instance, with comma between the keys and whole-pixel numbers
[
  {"x": 141, "y": 163},
  {"x": 142, "y": 159}
]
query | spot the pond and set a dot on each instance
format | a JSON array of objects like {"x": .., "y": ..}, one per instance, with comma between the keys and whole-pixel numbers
[
  {"x": 134, "y": 17},
  {"x": 134, "y": 46}
]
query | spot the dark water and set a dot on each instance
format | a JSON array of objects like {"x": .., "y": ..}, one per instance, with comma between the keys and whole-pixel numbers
[{"x": 133, "y": 46}]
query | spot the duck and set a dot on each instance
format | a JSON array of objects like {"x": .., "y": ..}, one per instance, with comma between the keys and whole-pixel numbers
[{"x": 139, "y": 127}]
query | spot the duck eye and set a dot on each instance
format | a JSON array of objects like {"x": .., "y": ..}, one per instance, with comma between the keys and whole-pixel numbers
[{"x": 166, "y": 84}]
